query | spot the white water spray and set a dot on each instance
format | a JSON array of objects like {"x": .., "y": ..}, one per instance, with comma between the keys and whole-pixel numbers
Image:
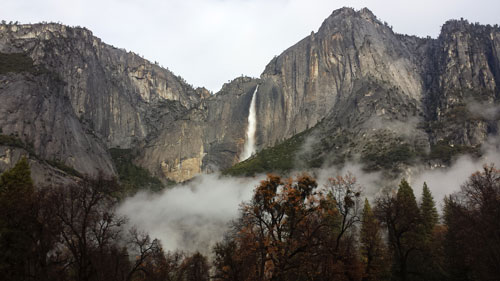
[{"x": 249, "y": 148}]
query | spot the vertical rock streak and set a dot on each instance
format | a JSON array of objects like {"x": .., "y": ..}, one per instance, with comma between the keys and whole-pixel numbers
[{"x": 249, "y": 147}]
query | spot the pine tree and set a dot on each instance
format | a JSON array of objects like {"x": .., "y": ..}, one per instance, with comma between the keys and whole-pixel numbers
[
  {"x": 401, "y": 215},
  {"x": 431, "y": 253},
  {"x": 373, "y": 253},
  {"x": 17, "y": 182},
  {"x": 408, "y": 238},
  {"x": 407, "y": 204},
  {"x": 428, "y": 211},
  {"x": 195, "y": 268},
  {"x": 16, "y": 221}
]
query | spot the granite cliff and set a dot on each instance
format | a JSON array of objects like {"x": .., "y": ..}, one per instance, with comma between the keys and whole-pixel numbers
[
  {"x": 353, "y": 90},
  {"x": 360, "y": 92},
  {"x": 76, "y": 98}
]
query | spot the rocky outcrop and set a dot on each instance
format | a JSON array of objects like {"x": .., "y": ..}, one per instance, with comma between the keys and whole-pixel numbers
[
  {"x": 95, "y": 97},
  {"x": 352, "y": 58},
  {"x": 42, "y": 173},
  {"x": 463, "y": 96},
  {"x": 110, "y": 89}
]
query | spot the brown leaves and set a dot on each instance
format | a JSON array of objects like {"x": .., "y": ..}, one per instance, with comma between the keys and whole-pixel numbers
[{"x": 289, "y": 230}]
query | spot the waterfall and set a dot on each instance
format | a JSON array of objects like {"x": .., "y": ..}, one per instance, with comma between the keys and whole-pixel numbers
[{"x": 249, "y": 148}]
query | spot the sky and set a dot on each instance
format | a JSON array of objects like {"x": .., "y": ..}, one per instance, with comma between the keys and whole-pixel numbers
[{"x": 210, "y": 42}]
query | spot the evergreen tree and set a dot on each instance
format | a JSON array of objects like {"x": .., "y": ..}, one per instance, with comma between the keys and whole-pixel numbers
[
  {"x": 17, "y": 183},
  {"x": 408, "y": 234},
  {"x": 407, "y": 206},
  {"x": 16, "y": 221},
  {"x": 373, "y": 254},
  {"x": 431, "y": 263},
  {"x": 428, "y": 211},
  {"x": 195, "y": 268},
  {"x": 401, "y": 215}
]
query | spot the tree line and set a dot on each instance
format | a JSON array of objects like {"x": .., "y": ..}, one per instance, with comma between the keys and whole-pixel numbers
[
  {"x": 291, "y": 229},
  {"x": 72, "y": 232}
]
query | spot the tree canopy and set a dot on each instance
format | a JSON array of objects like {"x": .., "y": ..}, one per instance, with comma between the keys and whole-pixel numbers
[{"x": 291, "y": 229}]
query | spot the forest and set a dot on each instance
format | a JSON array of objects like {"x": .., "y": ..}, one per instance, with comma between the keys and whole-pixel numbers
[{"x": 291, "y": 229}]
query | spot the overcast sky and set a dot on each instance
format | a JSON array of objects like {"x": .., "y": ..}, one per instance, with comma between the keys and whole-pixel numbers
[{"x": 209, "y": 42}]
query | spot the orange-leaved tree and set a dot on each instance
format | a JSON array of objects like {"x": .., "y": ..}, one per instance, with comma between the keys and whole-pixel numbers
[{"x": 291, "y": 230}]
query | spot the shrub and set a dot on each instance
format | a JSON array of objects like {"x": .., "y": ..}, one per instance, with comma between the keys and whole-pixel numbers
[{"x": 132, "y": 177}]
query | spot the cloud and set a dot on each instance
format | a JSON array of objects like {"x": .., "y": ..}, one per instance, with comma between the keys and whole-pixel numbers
[
  {"x": 371, "y": 182},
  {"x": 407, "y": 129},
  {"x": 445, "y": 181},
  {"x": 488, "y": 111},
  {"x": 190, "y": 217},
  {"x": 194, "y": 216}
]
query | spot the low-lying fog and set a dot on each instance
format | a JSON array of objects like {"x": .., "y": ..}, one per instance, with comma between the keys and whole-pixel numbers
[{"x": 192, "y": 217}]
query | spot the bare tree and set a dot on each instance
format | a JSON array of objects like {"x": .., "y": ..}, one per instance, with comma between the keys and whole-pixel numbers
[
  {"x": 145, "y": 251},
  {"x": 345, "y": 194},
  {"x": 89, "y": 227}
]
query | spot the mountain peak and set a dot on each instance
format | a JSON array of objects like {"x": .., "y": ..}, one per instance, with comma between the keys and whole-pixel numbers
[
  {"x": 340, "y": 16},
  {"x": 463, "y": 25},
  {"x": 351, "y": 12}
]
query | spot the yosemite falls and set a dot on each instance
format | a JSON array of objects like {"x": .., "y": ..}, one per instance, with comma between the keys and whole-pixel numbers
[{"x": 249, "y": 148}]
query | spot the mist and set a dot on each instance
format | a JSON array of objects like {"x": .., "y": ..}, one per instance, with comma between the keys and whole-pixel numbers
[
  {"x": 408, "y": 128},
  {"x": 190, "y": 217},
  {"x": 486, "y": 110},
  {"x": 371, "y": 182},
  {"x": 445, "y": 181},
  {"x": 194, "y": 216}
]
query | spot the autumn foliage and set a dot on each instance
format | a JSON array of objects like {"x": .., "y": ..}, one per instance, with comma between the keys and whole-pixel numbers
[
  {"x": 291, "y": 229},
  {"x": 297, "y": 230}
]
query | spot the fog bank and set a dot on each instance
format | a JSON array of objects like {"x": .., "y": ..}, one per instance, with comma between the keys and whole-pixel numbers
[
  {"x": 194, "y": 216},
  {"x": 190, "y": 217},
  {"x": 445, "y": 181}
]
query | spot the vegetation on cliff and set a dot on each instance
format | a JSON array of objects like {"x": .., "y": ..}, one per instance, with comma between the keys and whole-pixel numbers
[
  {"x": 16, "y": 62},
  {"x": 132, "y": 177}
]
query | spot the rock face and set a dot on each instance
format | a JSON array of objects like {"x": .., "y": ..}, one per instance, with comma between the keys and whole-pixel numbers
[
  {"x": 330, "y": 69},
  {"x": 108, "y": 88},
  {"x": 466, "y": 89},
  {"x": 207, "y": 138},
  {"x": 96, "y": 96},
  {"x": 355, "y": 86},
  {"x": 91, "y": 97},
  {"x": 355, "y": 68},
  {"x": 34, "y": 109},
  {"x": 376, "y": 96}
]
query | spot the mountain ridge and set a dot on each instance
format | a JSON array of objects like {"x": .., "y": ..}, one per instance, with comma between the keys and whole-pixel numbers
[
  {"x": 393, "y": 101},
  {"x": 354, "y": 78}
]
